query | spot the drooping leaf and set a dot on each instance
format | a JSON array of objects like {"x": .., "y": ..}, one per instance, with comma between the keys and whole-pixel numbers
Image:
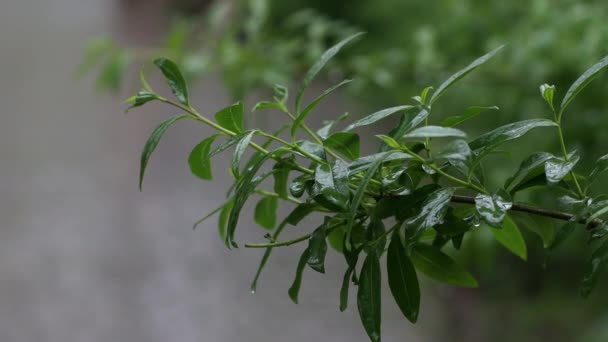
[
  {"x": 431, "y": 213},
  {"x": 350, "y": 275},
  {"x": 345, "y": 143},
  {"x": 440, "y": 267},
  {"x": 557, "y": 168},
  {"x": 199, "y": 161},
  {"x": 470, "y": 113},
  {"x": 231, "y": 117},
  {"x": 596, "y": 264},
  {"x": 530, "y": 168},
  {"x": 152, "y": 142},
  {"x": 281, "y": 177},
  {"x": 314, "y": 70},
  {"x": 369, "y": 297},
  {"x": 488, "y": 142},
  {"x": 239, "y": 150},
  {"x": 402, "y": 280},
  {"x": 301, "y": 116},
  {"x": 174, "y": 78},
  {"x": 435, "y": 132},
  {"x": 326, "y": 192},
  {"x": 317, "y": 249},
  {"x": 377, "y": 116},
  {"x": 300, "y": 212},
  {"x": 493, "y": 208},
  {"x": 266, "y": 212},
  {"x": 582, "y": 82},
  {"x": 223, "y": 220},
  {"x": 510, "y": 237},
  {"x": 461, "y": 73},
  {"x": 294, "y": 290}
]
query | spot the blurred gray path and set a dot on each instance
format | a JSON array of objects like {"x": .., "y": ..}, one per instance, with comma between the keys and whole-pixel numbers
[{"x": 84, "y": 256}]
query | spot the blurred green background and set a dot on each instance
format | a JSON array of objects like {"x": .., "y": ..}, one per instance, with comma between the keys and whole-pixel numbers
[{"x": 87, "y": 257}]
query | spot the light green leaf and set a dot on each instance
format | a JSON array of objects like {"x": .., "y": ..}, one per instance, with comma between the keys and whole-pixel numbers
[
  {"x": 345, "y": 143},
  {"x": 377, "y": 116},
  {"x": 231, "y": 117},
  {"x": 239, "y": 150},
  {"x": 95, "y": 50},
  {"x": 369, "y": 297},
  {"x": 141, "y": 99},
  {"x": 199, "y": 161},
  {"x": 389, "y": 141},
  {"x": 435, "y": 132},
  {"x": 317, "y": 249},
  {"x": 547, "y": 92},
  {"x": 266, "y": 212},
  {"x": 174, "y": 78},
  {"x": 301, "y": 116},
  {"x": 510, "y": 237},
  {"x": 402, "y": 280},
  {"x": 266, "y": 105},
  {"x": 461, "y": 73},
  {"x": 152, "y": 142},
  {"x": 281, "y": 93},
  {"x": 470, "y": 113},
  {"x": 438, "y": 266},
  {"x": 294, "y": 290},
  {"x": 582, "y": 82},
  {"x": 314, "y": 70},
  {"x": 114, "y": 69}
]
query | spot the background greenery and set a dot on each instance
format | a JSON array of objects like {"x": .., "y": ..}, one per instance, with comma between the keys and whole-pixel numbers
[{"x": 410, "y": 45}]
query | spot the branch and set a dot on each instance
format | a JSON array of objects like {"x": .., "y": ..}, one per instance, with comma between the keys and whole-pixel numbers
[{"x": 559, "y": 215}]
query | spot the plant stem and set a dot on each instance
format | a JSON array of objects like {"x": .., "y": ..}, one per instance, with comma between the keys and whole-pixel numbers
[{"x": 565, "y": 152}]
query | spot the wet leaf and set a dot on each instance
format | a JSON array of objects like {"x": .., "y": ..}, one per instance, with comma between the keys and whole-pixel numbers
[
  {"x": 174, "y": 78},
  {"x": 377, "y": 116},
  {"x": 317, "y": 249},
  {"x": 231, "y": 117},
  {"x": 510, "y": 237},
  {"x": 369, "y": 297},
  {"x": 470, "y": 113},
  {"x": 345, "y": 143},
  {"x": 440, "y": 267},
  {"x": 266, "y": 212},
  {"x": 402, "y": 280},
  {"x": 199, "y": 160},
  {"x": 493, "y": 208}
]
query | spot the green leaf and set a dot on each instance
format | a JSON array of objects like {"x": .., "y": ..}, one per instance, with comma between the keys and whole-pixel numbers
[
  {"x": 266, "y": 212},
  {"x": 227, "y": 144},
  {"x": 364, "y": 163},
  {"x": 95, "y": 50},
  {"x": 351, "y": 259},
  {"x": 231, "y": 117},
  {"x": 281, "y": 93},
  {"x": 369, "y": 297},
  {"x": 141, "y": 99},
  {"x": 562, "y": 234},
  {"x": 328, "y": 126},
  {"x": 299, "y": 185},
  {"x": 331, "y": 190},
  {"x": 300, "y": 212},
  {"x": 223, "y": 220},
  {"x": 493, "y": 208},
  {"x": 470, "y": 113},
  {"x": 312, "y": 148},
  {"x": 597, "y": 263},
  {"x": 437, "y": 265},
  {"x": 317, "y": 249},
  {"x": 377, "y": 116},
  {"x": 356, "y": 200},
  {"x": 510, "y": 237},
  {"x": 582, "y": 82},
  {"x": 389, "y": 141},
  {"x": 301, "y": 116},
  {"x": 199, "y": 160},
  {"x": 281, "y": 177},
  {"x": 530, "y": 168},
  {"x": 409, "y": 120},
  {"x": 461, "y": 73},
  {"x": 266, "y": 105},
  {"x": 113, "y": 71},
  {"x": 435, "y": 132},
  {"x": 487, "y": 142},
  {"x": 557, "y": 168},
  {"x": 547, "y": 92},
  {"x": 239, "y": 150},
  {"x": 152, "y": 142},
  {"x": 314, "y": 70},
  {"x": 433, "y": 210},
  {"x": 456, "y": 151},
  {"x": 345, "y": 143},
  {"x": 601, "y": 166},
  {"x": 336, "y": 238},
  {"x": 402, "y": 280},
  {"x": 294, "y": 290},
  {"x": 174, "y": 78}
]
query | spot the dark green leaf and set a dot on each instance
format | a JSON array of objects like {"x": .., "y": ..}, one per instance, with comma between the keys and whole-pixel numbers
[
  {"x": 437, "y": 265},
  {"x": 461, "y": 73},
  {"x": 239, "y": 150},
  {"x": 223, "y": 220},
  {"x": 351, "y": 259},
  {"x": 364, "y": 163},
  {"x": 231, "y": 117},
  {"x": 601, "y": 166},
  {"x": 435, "y": 132},
  {"x": 174, "y": 77},
  {"x": 281, "y": 177},
  {"x": 582, "y": 81},
  {"x": 328, "y": 190},
  {"x": 456, "y": 151},
  {"x": 328, "y": 126},
  {"x": 470, "y": 113},
  {"x": 377, "y": 116},
  {"x": 493, "y": 208},
  {"x": 510, "y": 237},
  {"x": 300, "y": 212},
  {"x": 345, "y": 143},
  {"x": 369, "y": 297},
  {"x": 562, "y": 234},
  {"x": 141, "y": 99},
  {"x": 301, "y": 116},
  {"x": 530, "y": 168},
  {"x": 227, "y": 144},
  {"x": 432, "y": 212},
  {"x": 312, "y": 148},
  {"x": 557, "y": 168},
  {"x": 199, "y": 161},
  {"x": 294, "y": 290},
  {"x": 336, "y": 238},
  {"x": 266, "y": 212},
  {"x": 402, "y": 280},
  {"x": 597, "y": 263},
  {"x": 152, "y": 142},
  {"x": 410, "y": 119},
  {"x": 314, "y": 70},
  {"x": 317, "y": 249}
]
